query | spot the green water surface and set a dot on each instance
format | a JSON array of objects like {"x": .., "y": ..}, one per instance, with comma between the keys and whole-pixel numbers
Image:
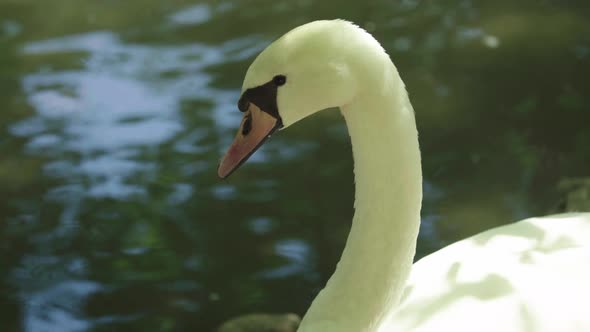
[{"x": 114, "y": 114}]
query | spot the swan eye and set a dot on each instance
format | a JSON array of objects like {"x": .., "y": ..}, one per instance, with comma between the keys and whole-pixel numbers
[
  {"x": 279, "y": 80},
  {"x": 243, "y": 104},
  {"x": 247, "y": 125}
]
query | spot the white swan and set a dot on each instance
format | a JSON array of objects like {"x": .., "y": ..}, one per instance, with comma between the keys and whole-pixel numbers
[{"x": 533, "y": 275}]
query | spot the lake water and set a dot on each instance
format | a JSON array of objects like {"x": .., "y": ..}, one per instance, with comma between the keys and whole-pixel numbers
[{"x": 115, "y": 114}]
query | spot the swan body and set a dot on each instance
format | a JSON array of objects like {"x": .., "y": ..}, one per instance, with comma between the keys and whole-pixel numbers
[{"x": 533, "y": 275}]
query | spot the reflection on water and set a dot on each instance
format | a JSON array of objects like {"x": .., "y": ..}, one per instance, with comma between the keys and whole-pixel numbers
[
  {"x": 194, "y": 15},
  {"x": 119, "y": 103},
  {"x": 116, "y": 116},
  {"x": 296, "y": 252},
  {"x": 58, "y": 307}
]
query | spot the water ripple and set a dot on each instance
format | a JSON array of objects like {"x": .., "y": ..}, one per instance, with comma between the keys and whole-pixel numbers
[{"x": 123, "y": 100}]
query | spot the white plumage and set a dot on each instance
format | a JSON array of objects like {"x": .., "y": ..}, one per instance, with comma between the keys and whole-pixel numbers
[{"x": 533, "y": 275}]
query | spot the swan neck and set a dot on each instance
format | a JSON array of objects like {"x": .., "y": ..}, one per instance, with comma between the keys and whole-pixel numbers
[{"x": 369, "y": 279}]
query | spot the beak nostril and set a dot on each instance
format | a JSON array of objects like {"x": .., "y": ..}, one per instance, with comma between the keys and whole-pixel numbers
[{"x": 247, "y": 126}]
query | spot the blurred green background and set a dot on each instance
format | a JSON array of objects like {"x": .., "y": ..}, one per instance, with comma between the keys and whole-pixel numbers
[{"x": 113, "y": 115}]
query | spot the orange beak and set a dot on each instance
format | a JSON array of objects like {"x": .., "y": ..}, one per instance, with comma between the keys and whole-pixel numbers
[{"x": 256, "y": 127}]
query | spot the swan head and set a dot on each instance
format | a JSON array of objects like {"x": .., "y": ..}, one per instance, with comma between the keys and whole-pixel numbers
[{"x": 307, "y": 70}]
